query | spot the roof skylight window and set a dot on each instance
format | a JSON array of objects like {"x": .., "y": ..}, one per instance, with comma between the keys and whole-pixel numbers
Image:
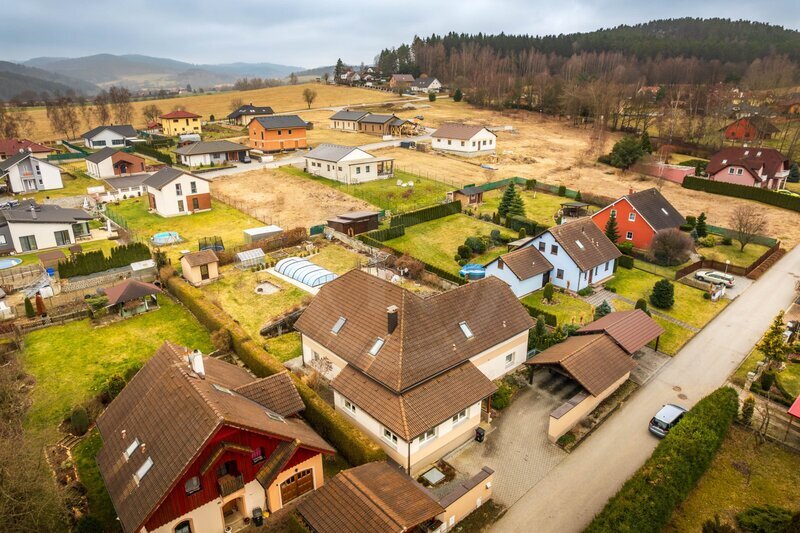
[
  {"x": 143, "y": 470},
  {"x": 580, "y": 244},
  {"x": 376, "y": 347},
  {"x": 339, "y": 325},
  {"x": 131, "y": 448},
  {"x": 465, "y": 330}
]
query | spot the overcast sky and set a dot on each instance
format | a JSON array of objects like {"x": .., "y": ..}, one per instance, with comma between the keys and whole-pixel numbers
[{"x": 312, "y": 33}]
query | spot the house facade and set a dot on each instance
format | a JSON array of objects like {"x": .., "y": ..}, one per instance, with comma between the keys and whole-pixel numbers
[
  {"x": 194, "y": 444},
  {"x": 29, "y": 227},
  {"x": 200, "y": 268},
  {"x": 524, "y": 270},
  {"x": 749, "y": 128},
  {"x": 580, "y": 253},
  {"x": 426, "y": 85},
  {"x": 401, "y": 80},
  {"x": 464, "y": 139},
  {"x": 412, "y": 373},
  {"x": 172, "y": 192},
  {"x": 24, "y": 173},
  {"x": 639, "y": 217},
  {"x": 248, "y": 112},
  {"x": 277, "y": 133},
  {"x": 347, "y": 120},
  {"x": 10, "y": 147},
  {"x": 765, "y": 168},
  {"x": 110, "y": 162},
  {"x": 178, "y": 122},
  {"x": 203, "y": 154},
  {"x": 112, "y": 136},
  {"x": 347, "y": 164}
]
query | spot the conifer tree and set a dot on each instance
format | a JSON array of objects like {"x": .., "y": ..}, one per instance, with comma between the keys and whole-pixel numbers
[{"x": 612, "y": 229}]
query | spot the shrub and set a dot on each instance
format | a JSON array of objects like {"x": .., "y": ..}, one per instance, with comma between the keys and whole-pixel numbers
[
  {"x": 88, "y": 524},
  {"x": 114, "y": 386},
  {"x": 412, "y": 267},
  {"x": 691, "y": 221},
  {"x": 625, "y": 152},
  {"x": 625, "y": 261},
  {"x": 546, "y": 318},
  {"x": 562, "y": 190},
  {"x": 641, "y": 303},
  {"x": 221, "y": 339},
  {"x": 663, "y": 295},
  {"x": 566, "y": 439},
  {"x": 96, "y": 261},
  {"x": 767, "y": 380},
  {"x": 29, "y": 311},
  {"x": 502, "y": 397},
  {"x": 602, "y": 310},
  {"x": 475, "y": 244},
  {"x": 707, "y": 242},
  {"x": 701, "y": 227},
  {"x": 727, "y": 241},
  {"x": 426, "y": 215},
  {"x": 586, "y": 291},
  {"x": 464, "y": 252},
  {"x": 131, "y": 371},
  {"x": 626, "y": 248},
  {"x": 431, "y": 97},
  {"x": 385, "y": 234},
  {"x": 748, "y": 408},
  {"x": 79, "y": 421},
  {"x": 522, "y": 233},
  {"x": 715, "y": 526},
  {"x": 670, "y": 247},
  {"x": 547, "y": 294},
  {"x": 645, "y": 503},
  {"x": 743, "y": 191},
  {"x": 458, "y": 95},
  {"x": 706, "y": 296},
  {"x": 517, "y": 223},
  {"x": 686, "y": 227},
  {"x": 764, "y": 519}
]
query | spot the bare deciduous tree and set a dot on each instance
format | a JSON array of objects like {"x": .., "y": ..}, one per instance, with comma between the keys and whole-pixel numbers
[
  {"x": 101, "y": 110},
  {"x": 120, "y": 99},
  {"x": 747, "y": 221},
  {"x": 235, "y": 104},
  {"x": 14, "y": 123},
  {"x": 309, "y": 95},
  {"x": 151, "y": 112},
  {"x": 671, "y": 247},
  {"x": 63, "y": 116}
]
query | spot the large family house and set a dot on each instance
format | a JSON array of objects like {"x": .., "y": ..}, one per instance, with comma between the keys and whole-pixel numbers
[
  {"x": 640, "y": 216},
  {"x": 29, "y": 226},
  {"x": 9, "y": 147},
  {"x": 765, "y": 168},
  {"x": 115, "y": 135},
  {"x": 179, "y": 122},
  {"x": 347, "y": 164},
  {"x": 277, "y": 133},
  {"x": 172, "y": 192},
  {"x": 110, "y": 162},
  {"x": 248, "y": 112},
  {"x": 464, "y": 139},
  {"x": 25, "y": 173},
  {"x": 208, "y": 153}
]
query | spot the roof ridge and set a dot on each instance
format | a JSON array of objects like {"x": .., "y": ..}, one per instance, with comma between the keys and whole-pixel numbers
[{"x": 380, "y": 505}]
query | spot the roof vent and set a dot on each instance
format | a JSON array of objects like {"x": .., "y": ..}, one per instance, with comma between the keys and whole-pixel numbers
[
  {"x": 747, "y": 152},
  {"x": 196, "y": 362},
  {"x": 758, "y": 154},
  {"x": 724, "y": 161}
]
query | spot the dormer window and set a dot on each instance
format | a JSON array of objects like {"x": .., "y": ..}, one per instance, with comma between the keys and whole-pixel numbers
[
  {"x": 339, "y": 325},
  {"x": 376, "y": 347},
  {"x": 143, "y": 470},
  {"x": 465, "y": 330},
  {"x": 131, "y": 448}
]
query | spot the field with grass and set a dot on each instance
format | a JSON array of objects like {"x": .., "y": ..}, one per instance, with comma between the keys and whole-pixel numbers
[
  {"x": 567, "y": 308},
  {"x": 223, "y": 221},
  {"x": 323, "y": 133},
  {"x": 236, "y": 294},
  {"x": 690, "y": 306},
  {"x": 386, "y": 194},
  {"x": 282, "y": 99},
  {"x": 72, "y": 362},
  {"x": 436, "y": 242},
  {"x": 284, "y": 347},
  {"x": 793, "y": 187},
  {"x": 100, "y": 505},
  {"x": 88, "y": 246},
  {"x": 337, "y": 259},
  {"x": 539, "y": 207},
  {"x": 743, "y": 474},
  {"x": 731, "y": 252}
]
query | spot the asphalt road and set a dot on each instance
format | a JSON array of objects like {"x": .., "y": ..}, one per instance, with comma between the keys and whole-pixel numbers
[{"x": 573, "y": 492}]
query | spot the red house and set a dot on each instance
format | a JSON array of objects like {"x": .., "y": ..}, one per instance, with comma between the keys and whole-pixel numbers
[
  {"x": 194, "y": 444},
  {"x": 766, "y": 168},
  {"x": 639, "y": 216},
  {"x": 749, "y": 128}
]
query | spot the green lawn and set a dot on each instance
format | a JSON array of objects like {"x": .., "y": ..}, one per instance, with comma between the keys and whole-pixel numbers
[
  {"x": 674, "y": 336},
  {"x": 285, "y": 347},
  {"x": 436, "y": 242},
  {"x": 790, "y": 379},
  {"x": 71, "y": 363},
  {"x": 539, "y": 206},
  {"x": 663, "y": 271},
  {"x": 743, "y": 474},
  {"x": 100, "y": 505},
  {"x": 732, "y": 253},
  {"x": 235, "y": 293},
  {"x": 567, "y": 309},
  {"x": 223, "y": 221},
  {"x": 690, "y": 306},
  {"x": 75, "y": 181},
  {"x": 337, "y": 259},
  {"x": 386, "y": 194},
  {"x": 793, "y": 187},
  {"x": 88, "y": 246}
]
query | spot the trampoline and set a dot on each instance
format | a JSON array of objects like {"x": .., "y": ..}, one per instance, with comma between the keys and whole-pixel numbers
[
  {"x": 304, "y": 271},
  {"x": 165, "y": 237}
]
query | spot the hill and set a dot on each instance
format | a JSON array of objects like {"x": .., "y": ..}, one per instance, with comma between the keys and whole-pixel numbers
[{"x": 16, "y": 79}]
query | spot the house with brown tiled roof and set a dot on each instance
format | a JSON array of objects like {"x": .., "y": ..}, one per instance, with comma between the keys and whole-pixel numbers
[
  {"x": 525, "y": 270},
  {"x": 414, "y": 373},
  {"x": 10, "y": 147},
  {"x": 195, "y": 444},
  {"x": 765, "y": 168},
  {"x": 464, "y": 139}
]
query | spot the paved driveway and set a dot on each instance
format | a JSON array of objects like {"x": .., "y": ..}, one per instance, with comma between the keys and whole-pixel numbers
[{"x": 518, "y": 449}]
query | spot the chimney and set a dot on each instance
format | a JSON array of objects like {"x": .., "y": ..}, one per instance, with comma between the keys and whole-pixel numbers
[
  {"x": 630, "y": 190},
  {"x": 392, "y": 318},
  {"x": 196, "y": 362}
]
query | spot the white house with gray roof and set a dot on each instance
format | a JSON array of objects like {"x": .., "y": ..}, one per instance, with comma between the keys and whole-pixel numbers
[
  {"x": 29, "y": 226},
  {"x": 115, "y": 136},
  {"x": 347, "y": 164},
  {"x": 24, "y": 173},
  {"x": 212, "y": 153},
  {"x": 173, "y": 192}
]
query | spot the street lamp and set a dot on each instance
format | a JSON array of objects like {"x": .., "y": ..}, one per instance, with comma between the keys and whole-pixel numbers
[{"x": 727, "y": 264}]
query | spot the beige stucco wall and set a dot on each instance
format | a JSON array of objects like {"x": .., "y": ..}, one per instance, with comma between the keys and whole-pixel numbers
[
  {"x": 193, "y": 276},
  {"x": 459, "y": 509},
  {"x": 310, "y": 346},
  {"x": 492, "y": 361},
  {"x": 274, "y": 502},
  {"x": 559, "y": 426}
]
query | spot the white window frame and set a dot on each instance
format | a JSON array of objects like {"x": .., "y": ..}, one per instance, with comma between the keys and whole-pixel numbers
[
  {"x": 460, "y": 417},
  {"x": 629, "y": 236},
  {"x": 631, "y": 217},
  {"x": 614, "y": 213},
  {"x": 427, "y": 437},
  {"x": 132, "y": 447},
  {"x": 143, "y": 470},
  {"x": 390, "y": 437},
  {"x": 509, "y": 359},
  {"x": 465, "y": 330},
  {"x": 349, "y": 407}
]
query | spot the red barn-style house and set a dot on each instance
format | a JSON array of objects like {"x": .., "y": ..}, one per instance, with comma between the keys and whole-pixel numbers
[
  {"x": 639, "y": 216},
  {"x": 749, "y": 128},
  {"x": 765, "y": 168},
  {"x": 194, "y": 444}
]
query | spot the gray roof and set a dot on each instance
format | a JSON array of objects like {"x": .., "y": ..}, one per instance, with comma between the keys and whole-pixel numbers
[
  {"x": 250, "y": 109},
  {"x": 126, "y": 130},
  {"x": 101, "y": 155},
  {"x": 377, "y": 119},
  {"x": 43, "y": 214},
  {"x": 210, "y": 147},
  {"x": 330, "y": 152},
  {"x": 349, "y": 115},
  {"x": 127, "y": 181},
  {"x": 423, "y": 82},
  {"x": 282, "y": 121},
  {"x": 13, "y": 160},
  {"x": 165, "y": 176},
  {"x": 656, "y": 209}
]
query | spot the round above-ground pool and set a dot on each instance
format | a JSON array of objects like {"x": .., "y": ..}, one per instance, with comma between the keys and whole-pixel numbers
[
  {"x": 8, "y": 262},
  {"x": 165, "y": 237}
]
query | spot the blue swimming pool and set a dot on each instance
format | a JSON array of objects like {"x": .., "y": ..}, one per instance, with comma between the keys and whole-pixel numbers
[
  {"x": 165, "y": 237},
  {"x": 9, "y": 262}
]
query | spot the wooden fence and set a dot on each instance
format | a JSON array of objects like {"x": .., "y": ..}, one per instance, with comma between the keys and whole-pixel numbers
[{"x": 731, "y": 269}]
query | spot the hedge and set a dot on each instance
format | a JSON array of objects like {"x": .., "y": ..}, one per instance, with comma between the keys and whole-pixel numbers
[
  {"x": 96, "y": 261},
  {"x": 743, "y": 191},
  {"x": 386, "y": 234},
  {"x": 152, "y": 152},
  {"x": 646, "y": 501},
  {"x": 426, "y": 215},
  {"x": 625, "y": 261},
  {"x": 350, "y": 441},
  {"x": 516, "y": 223},
  {"x": 549, "y": 318}
]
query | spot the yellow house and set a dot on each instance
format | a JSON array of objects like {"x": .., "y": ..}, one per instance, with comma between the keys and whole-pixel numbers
[{"x": 180, "y": 122}]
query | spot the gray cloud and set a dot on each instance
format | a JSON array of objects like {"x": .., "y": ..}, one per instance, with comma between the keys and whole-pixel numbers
[{"x": 315, "y": 32}]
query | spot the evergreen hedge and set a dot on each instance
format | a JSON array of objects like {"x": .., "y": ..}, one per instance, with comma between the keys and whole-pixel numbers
[
  {"x": 152, "y": 152},
  {"x": 350, "y": 441},
  {"x": 646, "y": 501},
  {"x": 96, "y": 261},
  {"x": 426, "y": 215},
  {"x": 743, "y": 191},
  {"x": 517, "y": 223},
  {"x": 549, "y": 318},
  {"x": 625, "y": 261},
  {"x": 385, "y": 234}
]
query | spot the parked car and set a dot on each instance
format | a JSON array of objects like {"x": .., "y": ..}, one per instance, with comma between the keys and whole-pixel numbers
[
  {"x": 666, "y": 419},
  {"x": 715, "y": 277}
]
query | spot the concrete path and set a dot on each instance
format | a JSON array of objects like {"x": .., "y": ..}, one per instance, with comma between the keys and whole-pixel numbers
[{"x": 569, "y": 496}]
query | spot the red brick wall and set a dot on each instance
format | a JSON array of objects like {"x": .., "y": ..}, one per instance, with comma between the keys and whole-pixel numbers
[
  {"x": 276, "y": 140},
  {"x": 203, "y": 200}
]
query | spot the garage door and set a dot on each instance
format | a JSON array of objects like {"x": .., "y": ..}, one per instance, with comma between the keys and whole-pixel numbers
[{"x": 297, "y": 485}]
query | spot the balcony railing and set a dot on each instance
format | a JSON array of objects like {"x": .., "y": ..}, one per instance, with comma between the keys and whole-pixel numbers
[{"x": 229, "y": 484}]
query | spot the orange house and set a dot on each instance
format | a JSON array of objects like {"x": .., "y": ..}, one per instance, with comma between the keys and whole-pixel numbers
[
  {"x": 277, "y": 133},
  {"x": 639, "y": 216},
  {"x": 749, "y": 128}
]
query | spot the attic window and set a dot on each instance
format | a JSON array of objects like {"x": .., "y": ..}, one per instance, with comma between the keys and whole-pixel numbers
[
  {"x": 274, "y": 416},
  {"x": 376, "y": 347},
  {"x": 724, "y": 161},
  {"x": 339, "y": 325},
  {"x": 223, "y": 389},
  {"x": 664, "y": 211},
  {"x": 758, "y": 154},
  {"x": 143, "y": 470},
  {"x": 747, "y": 152},
  {"x": 131, "y": 448},
  {"x": 465, "y": 330},
  {"x": 580, "y": 244}
]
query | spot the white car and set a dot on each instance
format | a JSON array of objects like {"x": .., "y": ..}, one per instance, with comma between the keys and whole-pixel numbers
[{"x": 715, "y": 277}]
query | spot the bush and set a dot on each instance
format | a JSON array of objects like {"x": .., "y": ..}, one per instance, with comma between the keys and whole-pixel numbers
[
  {"x": 29, "y": 311},
  {"x": 748, "y": 408},
  {"x": 645, "y": 503},
  {"x": 716, "y": 526},
  {"x": 625, "y": 261},
  {"x": 706, "y": 296},
  {"x": 152, "y": 152},
  {"x": 686, "y": 227},
  {"x": 663, "y": 295},
  {"x": 626, "y": 248},
  {"x": 131, "y": 371},
  {"x": 96, "y": 261},
  {"x": 625, "y": 152},
  {"x": 458, "y": 95},
  {"x": 602, "y": 310},
  {"x": 566, "y": 439},
  {"x": 88, "y": 524},
  {"x": 586, "y": 291},
  {"x": 670, "y": 247},
  {"x": 522, "y": 233},
  {"x": 426, "y": 215},
  {"x": 764, "y": 519},
  {"x": 691, "y": 221},
  {"x": 79, "y": 421},
  {"x": 386, "y": 234},
  {"x": 412, "y": 267},
  {"x": 743, "y": 191},
  {"x": 221, "y": 339},
  {"x": 114, "y": 386},
  {"x": 502, "y": 397},
  {"x": 464, "y": 252},
  {"x": 546, "y": 318},
  {"x": 767, "y": 380},
  {"x": 727, "y": 241},
  {"x": 547, "y": 295},
  {"x": 641, "y": 303},
  {"x": 431, "y": 97},
  {"x": 519, "y": 223},
  {"x": 475, "y": 244},
  {"x": 562, "y": 190}
]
